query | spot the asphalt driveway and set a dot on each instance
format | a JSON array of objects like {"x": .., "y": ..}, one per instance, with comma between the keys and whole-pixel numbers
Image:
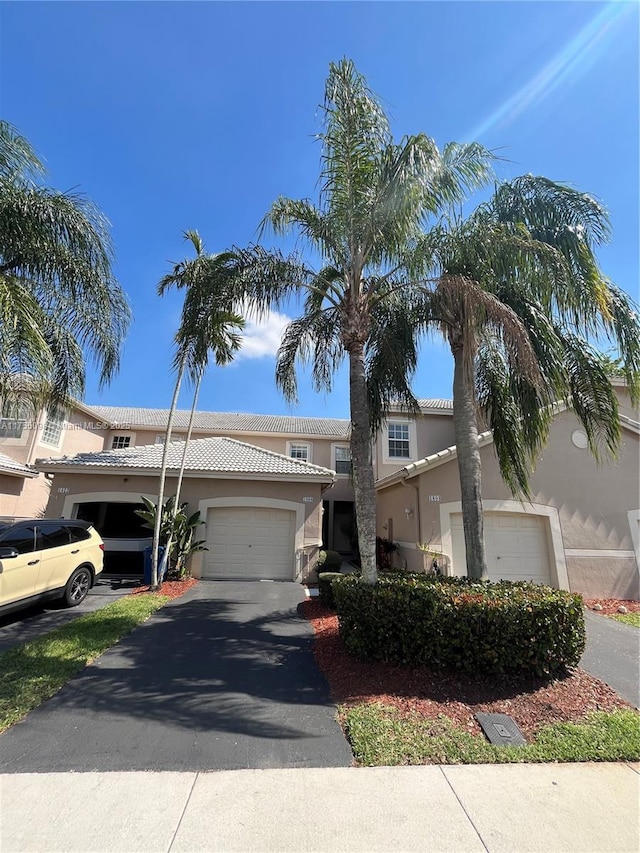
[
  {"x": 25, "y": 625},
  {"x": 222, "y": 678},
  {"x": 612, "y": 654}
]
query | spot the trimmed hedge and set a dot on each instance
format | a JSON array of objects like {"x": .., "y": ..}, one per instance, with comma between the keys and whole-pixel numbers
[
  {"x": 462, "y": 624},
  {"x": 325, "y": 588}
]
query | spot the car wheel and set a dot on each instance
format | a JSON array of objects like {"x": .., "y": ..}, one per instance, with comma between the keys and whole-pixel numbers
[{"x": 77, "y": 587}]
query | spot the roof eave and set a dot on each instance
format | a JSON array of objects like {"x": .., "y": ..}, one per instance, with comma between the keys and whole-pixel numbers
[
  {"x": 428, "y": 463},
  {"x": 14, "y": 472},
  {"x": 57, "y": 468}
]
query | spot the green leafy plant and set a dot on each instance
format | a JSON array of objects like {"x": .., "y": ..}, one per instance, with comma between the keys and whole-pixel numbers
[
  {"x": 461, "y": 624},
  {"x": 384, "y": 549},
  {"x": 325, "y": 587},
  {"x": 329, "y": 561},
  {"x": 176, "y": 527}
]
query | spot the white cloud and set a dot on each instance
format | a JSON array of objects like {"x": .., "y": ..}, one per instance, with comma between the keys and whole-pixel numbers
[{"x": 262, "y": 338}]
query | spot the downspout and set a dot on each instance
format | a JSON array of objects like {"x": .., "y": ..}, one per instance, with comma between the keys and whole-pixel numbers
[{"x": 416, "y": 490}]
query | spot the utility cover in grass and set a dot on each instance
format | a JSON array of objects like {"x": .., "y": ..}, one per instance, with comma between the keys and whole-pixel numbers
[{"x": 500, "y": 729}]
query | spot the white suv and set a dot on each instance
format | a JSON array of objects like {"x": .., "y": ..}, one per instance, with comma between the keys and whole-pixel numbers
[{"x": 47, "y": 558}]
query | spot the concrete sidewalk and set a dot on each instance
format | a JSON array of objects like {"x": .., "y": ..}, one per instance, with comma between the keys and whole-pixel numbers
[{"x": 589, "y": 808}]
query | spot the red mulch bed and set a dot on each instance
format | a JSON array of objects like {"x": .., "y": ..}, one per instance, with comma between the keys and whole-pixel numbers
[
  {"x": 174, "y": 589},
  {"x": 531, "y": 701},
  {"x": 610, "y": 605}
]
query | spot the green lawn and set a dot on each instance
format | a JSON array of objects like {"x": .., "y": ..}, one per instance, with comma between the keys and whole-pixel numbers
[
  {"x": 380, "y": 735},
  {"x": 33, "y": 672},
  {"x": 628, "y": 618}
]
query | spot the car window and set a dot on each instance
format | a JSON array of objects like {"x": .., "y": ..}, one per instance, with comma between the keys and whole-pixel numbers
[
  {"x": 54, "y": 535},
  {"x": 23, "y": 539},
  {"x": 78, "y": 534}
]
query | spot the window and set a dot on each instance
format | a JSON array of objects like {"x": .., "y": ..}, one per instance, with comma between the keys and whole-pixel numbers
[
  {"x": 161, "y": 436},
  {"x": 120, "y": 442},
  {"x": 77, "y": 533},
  {"x": 12, "y": 422},
  {"x": 399, "y": 441},
  {"x": 23, "y": 539},
  {"x": 52, "y": 431},
  {"x": 11, "y": 427},
  {"x": 54, "y": 535},
  {"x": 342, "y": 459},
  {"x": 300, "y": 451}
]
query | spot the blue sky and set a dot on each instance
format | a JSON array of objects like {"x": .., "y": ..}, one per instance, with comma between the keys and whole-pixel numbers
[{"x": 175, "y": 116}]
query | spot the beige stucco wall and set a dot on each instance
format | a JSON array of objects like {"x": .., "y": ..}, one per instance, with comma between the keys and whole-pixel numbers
[
  {"x": 431, "y": 433},
  {"x": 19, "y": 449},
  {"x": 592, "y": 503},
  {"x": 23, "y": 498}
]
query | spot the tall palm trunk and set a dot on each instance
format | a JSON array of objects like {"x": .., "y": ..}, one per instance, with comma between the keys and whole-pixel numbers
[
  {"x": 163, "y": 476},
  {"x": 176, "y": 505},
  {"x": 469, "y": 465},
  {"x": 196, "y": 394},
  {"x": 362, "y": 464}
]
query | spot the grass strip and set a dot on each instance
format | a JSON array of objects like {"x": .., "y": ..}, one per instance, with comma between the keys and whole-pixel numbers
[
  {"x": 33, "y": 672},
  {"x": 380, "y": 736},
  {"x": 628, "y": 618}
]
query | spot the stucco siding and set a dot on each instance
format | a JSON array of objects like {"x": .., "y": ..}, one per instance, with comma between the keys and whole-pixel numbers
[
  {"x": 590, "y": 502},
  {"x": 604, "y": 577},
  {"x": 23, "y": 498},
  {"x": 434, "y": 433}
]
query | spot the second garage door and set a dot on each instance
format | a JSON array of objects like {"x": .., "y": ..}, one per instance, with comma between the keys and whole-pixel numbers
[
  {"x": 250, "y": 543},
  {"x": 516, "y": 546}
]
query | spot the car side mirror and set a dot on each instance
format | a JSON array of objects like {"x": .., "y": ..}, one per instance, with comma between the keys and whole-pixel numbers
[{"x": 8, "y": 553}]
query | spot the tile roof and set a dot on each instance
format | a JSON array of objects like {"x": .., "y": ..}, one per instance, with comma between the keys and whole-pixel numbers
[
  {"x": 10, "y": 466},
  {"x": 436, "y": 403},
  {"x": 214, "y": 455},
  {"x": 225, "y": 421}
]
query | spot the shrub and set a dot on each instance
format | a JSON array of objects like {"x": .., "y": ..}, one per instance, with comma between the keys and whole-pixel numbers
[
  {"x": 329, "y": 561},
  {"x": 462, "y": 624},
  {"x": 325, "y": 588},
  {"x": 384, "y": 549}
]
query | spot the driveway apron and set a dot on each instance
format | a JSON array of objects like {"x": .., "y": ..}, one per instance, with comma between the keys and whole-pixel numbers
[
  {"x": 612, "y": 654},
  {"x": 220, "y": 679}
]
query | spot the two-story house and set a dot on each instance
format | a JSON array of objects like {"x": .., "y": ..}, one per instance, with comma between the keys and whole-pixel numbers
[
  {"x": 274, "y": 489},
  {"x": 271, "y": 489}
]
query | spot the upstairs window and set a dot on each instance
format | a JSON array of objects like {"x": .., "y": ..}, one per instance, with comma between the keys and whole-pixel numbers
[
  {"x": 160, "y": 437},
  {"x": 12, "y": 422},
  {"x": 300, "y": 451},
  {"x": 342, "y": 460},
  {"x": 52, "y": 432},
  {"x": 399, "y": 441},
  {"x": 120, "y": 442}
]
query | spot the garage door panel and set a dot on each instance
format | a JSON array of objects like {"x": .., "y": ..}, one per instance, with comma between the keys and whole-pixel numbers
[
  {"x": 250, "y": 543},
  {"x": 516, "y": 547}
]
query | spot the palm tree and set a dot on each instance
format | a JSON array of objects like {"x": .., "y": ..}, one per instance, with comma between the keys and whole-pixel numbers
[
  {"x": 517, "y": 293},
  {"x": 375, "y": 196},
  {"x": 208, "y": 326},
  {"x": 59, "y": 300}
]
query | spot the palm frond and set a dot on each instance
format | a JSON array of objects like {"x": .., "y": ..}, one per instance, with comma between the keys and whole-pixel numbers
[
  {"x": 592, "y": 396},
  {"x": 18, "y": 159},
  {"x": 313, "y": 338}
]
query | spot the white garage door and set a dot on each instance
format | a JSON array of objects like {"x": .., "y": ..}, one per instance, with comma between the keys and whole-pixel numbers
[
  {"x": 516, "y": 546},
  {"x": 250, "y": 543}
]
